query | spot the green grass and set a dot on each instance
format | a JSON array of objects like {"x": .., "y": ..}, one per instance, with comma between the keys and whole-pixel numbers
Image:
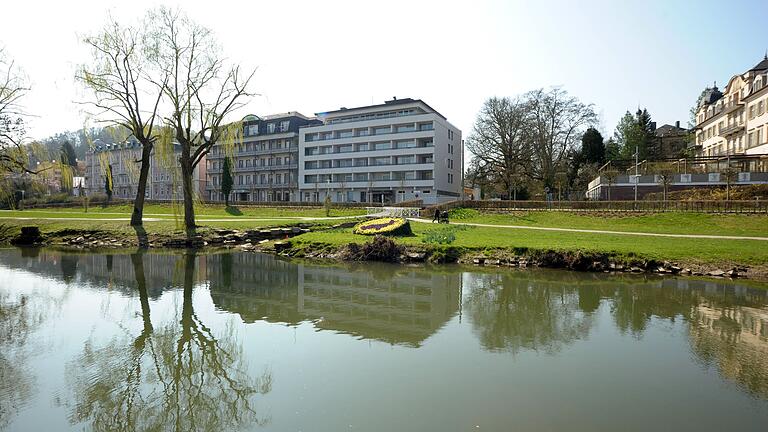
[
  {"x": 667, "y": 223},
  {"x": 750, "y": 252}
]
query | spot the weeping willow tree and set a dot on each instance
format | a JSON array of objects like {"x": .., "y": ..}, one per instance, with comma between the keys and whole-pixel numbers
[
  {"x": 202, "y": 90},
  {"x": 126, "y": 92}
]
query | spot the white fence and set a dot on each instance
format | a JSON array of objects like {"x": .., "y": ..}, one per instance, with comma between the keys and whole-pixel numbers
[{"x": 404, "y": 212}]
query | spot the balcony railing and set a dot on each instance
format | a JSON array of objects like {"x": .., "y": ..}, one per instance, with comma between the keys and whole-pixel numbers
[{"x": 731, "y": 129}]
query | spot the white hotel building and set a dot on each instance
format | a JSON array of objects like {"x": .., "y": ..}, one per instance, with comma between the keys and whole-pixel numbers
[{"x": 398, "y": 151}]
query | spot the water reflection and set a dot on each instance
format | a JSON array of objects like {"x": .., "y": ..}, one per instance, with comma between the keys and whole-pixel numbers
[
  {"x": 393, "y": 304},
  {"x": 513, "y": 313},
  {"x": 178, "y": 377},
  {"x": 171, "y": 366}
]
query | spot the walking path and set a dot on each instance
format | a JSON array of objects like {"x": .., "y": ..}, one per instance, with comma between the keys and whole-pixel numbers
[{"x": 589, "y": 231}]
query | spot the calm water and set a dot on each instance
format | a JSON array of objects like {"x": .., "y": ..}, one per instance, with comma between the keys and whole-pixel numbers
[{"x": 250, "y": 342}]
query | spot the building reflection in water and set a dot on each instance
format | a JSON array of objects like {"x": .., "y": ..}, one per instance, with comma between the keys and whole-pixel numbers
[{"x": 393, "y": 304}]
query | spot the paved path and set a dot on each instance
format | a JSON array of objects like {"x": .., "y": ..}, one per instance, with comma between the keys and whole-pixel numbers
[{"x": 589, "y": 231}]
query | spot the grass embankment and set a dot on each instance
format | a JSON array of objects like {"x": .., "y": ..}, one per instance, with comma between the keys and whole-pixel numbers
[
  {"x": 160, "y": 219},
  {"x": 488, "y": 239},
  {"x": 751, "y": 225}
]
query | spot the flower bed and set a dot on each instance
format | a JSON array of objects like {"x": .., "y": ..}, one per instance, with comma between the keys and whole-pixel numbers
[{"x": 383, "y": 226}]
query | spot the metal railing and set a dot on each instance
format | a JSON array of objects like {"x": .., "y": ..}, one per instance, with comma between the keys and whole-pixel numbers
[{"x": 721, "y": 206}]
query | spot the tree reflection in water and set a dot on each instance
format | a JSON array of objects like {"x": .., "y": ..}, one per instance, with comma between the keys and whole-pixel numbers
[
  {"x": 17, "y": 320},
  {"x": 177, "y": 377},
  {"x": 512, "y": 313}
]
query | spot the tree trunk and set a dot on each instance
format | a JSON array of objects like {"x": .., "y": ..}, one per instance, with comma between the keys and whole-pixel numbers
[
  {"x": 186, "y": 179},
  {"x": 138, "y": 203}
]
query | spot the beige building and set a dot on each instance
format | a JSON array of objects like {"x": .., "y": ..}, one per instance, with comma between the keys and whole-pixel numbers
[
  {"x": 735, "y": 121},
  {"x": 162, "y": 184}
]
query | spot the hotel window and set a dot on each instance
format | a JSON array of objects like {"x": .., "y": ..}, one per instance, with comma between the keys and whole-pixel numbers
[
  {"x": 271, "y": 128},
  {"x": 345, "y": 134},
  {"x": 426, "y": 126},
  {"x": 381, "y": 146},
  {"x": 405, "y": 128},
  {"x": 309, "y": 151},
  {"x": 284, "y": 125},
  {"x": 760, "y": 108},
  {"x": 382, "y": 130},
  {"x": 287, "y": 160},
  {"x": 362, "y": 147},
  {"x": 380, "y": 161},
  {"x": 362, "y": 132}
]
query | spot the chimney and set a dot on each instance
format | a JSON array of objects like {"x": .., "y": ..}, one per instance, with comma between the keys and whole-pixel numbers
[{"x": 677, "y": 124}]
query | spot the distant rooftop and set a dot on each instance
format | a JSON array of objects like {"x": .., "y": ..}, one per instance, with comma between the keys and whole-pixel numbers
[{"x": 390, "y": 103}]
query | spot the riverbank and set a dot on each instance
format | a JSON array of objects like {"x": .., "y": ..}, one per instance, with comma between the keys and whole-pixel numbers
[{"x": 716, "y": 245}]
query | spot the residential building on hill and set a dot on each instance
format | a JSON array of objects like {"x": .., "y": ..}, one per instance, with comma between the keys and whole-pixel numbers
[
  {"x": 735, "y": 121},
  {"x": 672, "y": 140},
  {"x": 264, "y": 166},
  {"x": 393, "y": 152}
]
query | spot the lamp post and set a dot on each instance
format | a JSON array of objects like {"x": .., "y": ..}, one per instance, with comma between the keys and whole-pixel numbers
[{"x": 636, "y": 178}]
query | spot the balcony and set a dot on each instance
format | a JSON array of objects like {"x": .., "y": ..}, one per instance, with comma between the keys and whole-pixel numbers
[
  {"x": 732, "y": 106},
  {"x": 731, "y": 129}
]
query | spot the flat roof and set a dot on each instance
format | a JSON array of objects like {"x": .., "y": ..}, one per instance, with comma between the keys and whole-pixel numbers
[{"x": 388, "y": 103}]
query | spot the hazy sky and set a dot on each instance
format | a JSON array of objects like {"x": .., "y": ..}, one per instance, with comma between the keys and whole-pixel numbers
[{"x": 315, "y": 56}]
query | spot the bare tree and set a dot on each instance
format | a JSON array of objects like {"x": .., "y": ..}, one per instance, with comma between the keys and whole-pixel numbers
[
  {"x": 13, "y": 87},
  {"x": 730, "y": 175},
  {"x": 665, "y": 175},
  {"x": 610, "y": 177},
  {"x": 557, "y": 122},
  {"x": 126, "y": 91},
  {"x": 201, "y": 91},
  {"x": 499, "y": 141}
]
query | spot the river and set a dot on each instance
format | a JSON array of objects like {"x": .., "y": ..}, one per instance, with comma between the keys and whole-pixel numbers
[{"x": 243, "y": 341}]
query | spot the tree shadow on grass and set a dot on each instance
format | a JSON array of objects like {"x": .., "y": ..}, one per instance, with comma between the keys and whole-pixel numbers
[{"x": 234, "y": 211}]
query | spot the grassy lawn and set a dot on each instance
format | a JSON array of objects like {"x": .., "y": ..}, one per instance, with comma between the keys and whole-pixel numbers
[
  {"x": 667, "y": 223},
  {"x": 685, "y": 250}
]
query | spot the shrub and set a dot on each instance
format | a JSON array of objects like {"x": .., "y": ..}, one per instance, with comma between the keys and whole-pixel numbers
[
  {"x": 378, "y": 249},
  {"x": 463, "y": 213},
  {"x": 445, "y": 235},
  {"x": 383, "y": 226}
]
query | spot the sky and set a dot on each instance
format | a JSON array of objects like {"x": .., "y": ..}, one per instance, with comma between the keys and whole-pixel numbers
[{"x": 315, "y": 56}]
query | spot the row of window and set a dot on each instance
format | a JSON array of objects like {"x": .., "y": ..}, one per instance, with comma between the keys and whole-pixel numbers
[
  {"x": 257, "y": 179},
  {"x": 364, "y": 177},
  {"x": 254, "y": 162},
  {"x": 756, "y": 110},
  {"x": 253, "y": 130},
  {"x": 285, "y": 144},
  {"x": 372, "y": 161},
  {"x": 368, "y": 146},
  {"x": 368, "y": 131},
  {"x": 375, "y": 116}
]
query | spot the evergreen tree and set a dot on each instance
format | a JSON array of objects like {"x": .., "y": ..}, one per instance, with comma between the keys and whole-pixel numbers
[
  {"x": 108, "y": 183},
  {"x": 226, "y": 180},
  {"x": 612, "y": 150},
  {"x": 592, "y": 147}
]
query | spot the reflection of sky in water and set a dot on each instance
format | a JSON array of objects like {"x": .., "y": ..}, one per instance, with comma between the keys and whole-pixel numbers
[{"x": 384, "y": 347}]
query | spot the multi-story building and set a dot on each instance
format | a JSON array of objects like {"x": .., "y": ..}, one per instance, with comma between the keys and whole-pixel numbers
[
  {"x": 163, "y": 184},
  {"x": 264, "y": 164},
  {"x": 397, "y": 151},
  {"x": 735, "y": 121}
]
